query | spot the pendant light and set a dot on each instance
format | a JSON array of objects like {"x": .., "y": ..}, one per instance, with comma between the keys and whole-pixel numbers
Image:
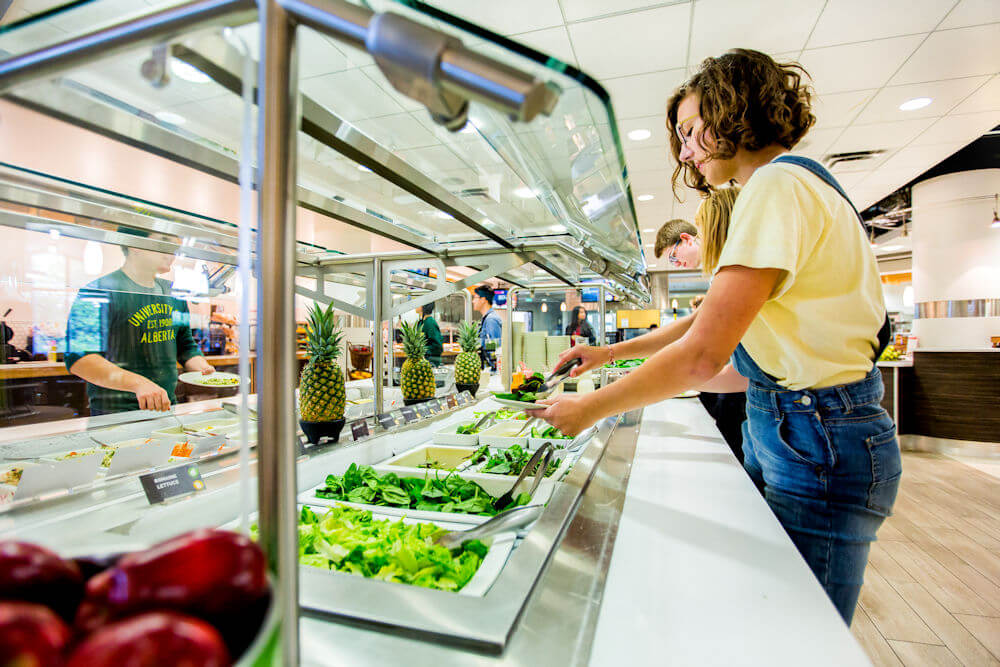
[
  {"x": 545, "y": 307},
  {"x": 562, "y": 306}
]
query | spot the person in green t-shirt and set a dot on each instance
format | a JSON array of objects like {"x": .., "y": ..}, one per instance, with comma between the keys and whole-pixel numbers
[
  {"x": 126, "y": 334},
  {"x": 435, "y": 344}
]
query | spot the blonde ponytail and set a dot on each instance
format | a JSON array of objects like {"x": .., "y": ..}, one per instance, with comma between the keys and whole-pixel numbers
[{"x": 712, "y": 221}]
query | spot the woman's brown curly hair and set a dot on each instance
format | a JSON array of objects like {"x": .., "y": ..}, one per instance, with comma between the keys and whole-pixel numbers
[{"x": 747, "y": 100}]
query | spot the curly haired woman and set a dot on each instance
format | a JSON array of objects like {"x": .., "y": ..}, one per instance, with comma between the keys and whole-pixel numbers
[{"x": 796, "y": 304}]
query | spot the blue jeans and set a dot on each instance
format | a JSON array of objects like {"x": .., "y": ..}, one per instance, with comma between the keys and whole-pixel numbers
[{"x": 829, "y": 466}]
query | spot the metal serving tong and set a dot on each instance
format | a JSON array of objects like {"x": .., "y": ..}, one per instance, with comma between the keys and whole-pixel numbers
[
  {"x": 513, "y": 518},
  {"x": 542, "y": 455},
  {"x": 557, "y": 377}
]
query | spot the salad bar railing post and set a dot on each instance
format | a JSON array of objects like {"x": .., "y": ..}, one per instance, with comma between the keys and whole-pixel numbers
[
  {"x": 276, "y": 473},
  {"x": 379, "y": 346}
]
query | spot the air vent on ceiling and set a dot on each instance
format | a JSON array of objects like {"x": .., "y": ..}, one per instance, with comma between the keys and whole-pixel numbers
[
  {"x": 852, "y": 161},
  {"x": 481, "y": 193}
]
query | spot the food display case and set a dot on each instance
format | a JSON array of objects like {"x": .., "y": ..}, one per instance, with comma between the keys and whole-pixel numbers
[{"x": 476, "y": 157}]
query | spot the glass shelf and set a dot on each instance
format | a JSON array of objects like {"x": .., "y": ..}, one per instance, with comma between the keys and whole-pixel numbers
[{"x": 365, "y": 146}]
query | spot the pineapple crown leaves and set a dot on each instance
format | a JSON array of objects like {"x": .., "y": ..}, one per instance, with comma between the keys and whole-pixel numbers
[
  {"x": 414, "y": 340},
  {"x": 323, "y": 336},
  {"x": 468, "y": 336}
]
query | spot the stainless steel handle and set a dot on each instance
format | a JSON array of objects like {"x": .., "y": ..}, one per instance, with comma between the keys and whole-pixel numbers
[{"x": 509, "y": 520}]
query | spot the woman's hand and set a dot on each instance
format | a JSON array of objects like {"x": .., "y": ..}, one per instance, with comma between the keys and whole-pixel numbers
[
  {"x": 150, "y": 395},
  {"x": 569, "y": 414},
  {"x": 591, "y": 357}
]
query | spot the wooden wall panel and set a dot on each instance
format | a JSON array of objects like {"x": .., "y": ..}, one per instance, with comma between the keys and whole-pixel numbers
[{"x": 952, "y": 395}]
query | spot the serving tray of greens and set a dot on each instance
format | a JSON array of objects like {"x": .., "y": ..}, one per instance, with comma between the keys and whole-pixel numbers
[
  {"x": 348, "y": 540},
  {"x": 436, "y": 495},
  {"x": 511, "y": 461},
  {"x": 432, "y": 457},
  {"x": 463, "y": 435}
]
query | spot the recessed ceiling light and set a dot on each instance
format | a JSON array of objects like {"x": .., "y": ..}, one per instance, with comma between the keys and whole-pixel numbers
[
  {"x": 650, "y": 245},
  {"x": 915, "y": 103},
  {"x": 890, "y": 248},
  {"x": 639, "y": 135},
  {"x": 188, "y": 72},
  {"x": 649, "y": 230},
  {"x": 170, "y": 117},
  {"x": 645, "y": 197},
  {"x": 525, "y": 193},
  {"x": 443, "y": 215},
  {"x": 362, "y": 167}
]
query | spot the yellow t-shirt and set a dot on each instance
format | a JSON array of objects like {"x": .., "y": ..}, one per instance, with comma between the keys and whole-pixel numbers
[{"x": 820, "y": 327}]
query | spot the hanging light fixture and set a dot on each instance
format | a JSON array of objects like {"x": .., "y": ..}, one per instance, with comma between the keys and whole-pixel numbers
[
  {"x": 545, "y": 307},
  {"x": 562, "y": 306}
]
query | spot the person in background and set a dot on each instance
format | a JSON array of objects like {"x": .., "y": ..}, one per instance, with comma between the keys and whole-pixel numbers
[
  {"x": 579, "y": 326},
  {"x": 432, "y": 332},
  {"x": 491, "y": 327},
  {"x": 679, "y": 239},
  {"x": 126, "y": 334},
  {"x": 795, "y": 304}
]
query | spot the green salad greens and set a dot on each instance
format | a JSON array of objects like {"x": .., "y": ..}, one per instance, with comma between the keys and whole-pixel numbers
[
  {"x": 467, "y": 429},
  {"x": 551, "y": 432},
  {"x": 451, "y": 493},
  {"x": 527, "y": 391},
  {"x": 350, "y": 540},
  {"x": 510, "y": 461},
  {"x": 505, "y": 413},
  {"x": 625, "y": 363}
]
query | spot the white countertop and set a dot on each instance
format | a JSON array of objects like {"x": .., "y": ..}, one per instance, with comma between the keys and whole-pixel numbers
[
  {"x": 702, "y": 573},
  {"x": 899, "y": 363}
]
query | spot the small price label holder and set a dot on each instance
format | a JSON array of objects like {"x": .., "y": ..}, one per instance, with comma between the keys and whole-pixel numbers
[
  {"x": 436, "y": 406},
  {"x": 423, "y": 410},
  {"x": 452, "y": 401},
  {"x": 360, "y": 430},
  {"x": 464, "y": 398},
  {"x": 409, "y": 414},
  {"x": 172, "y": 483},
  {"x": 386, "y": 420}
]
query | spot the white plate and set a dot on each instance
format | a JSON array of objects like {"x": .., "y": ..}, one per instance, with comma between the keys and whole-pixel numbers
[
  {"x": 196, "y": 378},
  {"x": 447, "y": 436},
  {"x": 690, "y": 393}
]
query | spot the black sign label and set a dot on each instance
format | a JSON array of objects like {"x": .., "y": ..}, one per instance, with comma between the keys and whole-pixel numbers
[
  {"x": 409, "y": 414},
  {"x": 386, "y": 420},
  {"x": 423, "y": 409},
  {"x": 172, "y": 482},
  {"x": 464, "y": 398},
  {"x": 452, "y": 401},
  {"x": 359, "y": 429},
  {"x": 434, "y": 405}
]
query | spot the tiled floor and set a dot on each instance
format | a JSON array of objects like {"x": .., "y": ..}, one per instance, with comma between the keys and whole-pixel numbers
[{"x": 932, "y": 588}]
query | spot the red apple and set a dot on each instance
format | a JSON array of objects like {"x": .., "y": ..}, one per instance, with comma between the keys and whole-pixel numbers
[
  {"x": 32, "y": 573},
  {"x": 153, "y": 639},
  {"x": 31, "y": 635}
]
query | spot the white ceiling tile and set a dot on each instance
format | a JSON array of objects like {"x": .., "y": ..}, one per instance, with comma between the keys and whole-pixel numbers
[
  {"x": 771, "y": 26},
  {"x": 645, "y": 41},
  {"x": 958, "y": 129},
  {"x": 839, "y": 109},
  {"x": 350, "y": 95},
  {"x": 845, "y": 21},
  {"x": 643, "y": 94},
  {"x": 553, "y": 42},
  {"x": 579, "y": 10},
  {"x": 857, "y": 66},
  {"x": 508, "y": 17},
  {"x": 640, "y": 159},
  {"x": 987, "y": 98},
  {"x": 972, "y": 12},
  {"x": 920, "y": 158},
  {"x": 817, "y": 141},
  {"x": 948, "y": 54},
  {"x": 400, "y": 131},
  {"x": 656, "y": 126},
  {"x": 884, "y": 107},
  {"x": 880, "y": 136},
  {"x": 650, "y": 179},
  {"x": 686, "y": 209}
]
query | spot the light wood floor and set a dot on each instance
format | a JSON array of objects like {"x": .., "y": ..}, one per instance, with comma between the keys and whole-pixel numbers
[{"x": 932, "y": 588}]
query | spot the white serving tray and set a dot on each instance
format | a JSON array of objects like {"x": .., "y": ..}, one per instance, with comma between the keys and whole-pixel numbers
[
  {"x": 133, "y": 455},
  {"x": 501, "y": 435},
  {"x": 409, "y": 460},
  {"x": 496, "y": 485},
  {"x": 447, "y": 436},
  {"x": 46, "y": 476},
  {"x": 564, "y": 466}
]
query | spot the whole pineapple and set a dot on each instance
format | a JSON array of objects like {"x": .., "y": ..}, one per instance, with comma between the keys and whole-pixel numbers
[
  {"x": 468, "y": 365},
  {"x": 417, "y": 377},
  {"x": 321, "y": 385}
]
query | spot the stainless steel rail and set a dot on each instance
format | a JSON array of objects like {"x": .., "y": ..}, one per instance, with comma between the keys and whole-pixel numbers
[{"x": 277, "y": 365}]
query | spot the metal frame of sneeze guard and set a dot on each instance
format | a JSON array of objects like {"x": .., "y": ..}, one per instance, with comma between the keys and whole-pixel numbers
[{"x": 449, "y": 73}]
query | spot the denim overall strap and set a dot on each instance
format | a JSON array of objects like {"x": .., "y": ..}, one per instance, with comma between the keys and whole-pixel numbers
[{"x": 885, "y": 331}]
